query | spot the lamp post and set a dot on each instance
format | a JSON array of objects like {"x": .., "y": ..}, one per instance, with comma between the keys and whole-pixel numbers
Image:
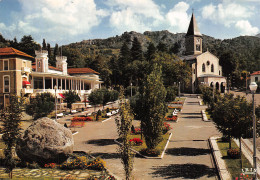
[
  {"x": 131, "y": 89},
  {"x": 179, "y": 90},
  {"x": 55, "y": 89},
  {"x": 253, "y": 87}
]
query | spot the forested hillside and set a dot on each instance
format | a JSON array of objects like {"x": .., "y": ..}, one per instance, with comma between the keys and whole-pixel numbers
[{"x": 105, "y": 55}]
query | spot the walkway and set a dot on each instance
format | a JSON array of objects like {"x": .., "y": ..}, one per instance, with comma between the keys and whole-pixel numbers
[{"x": 187, "y": 157}]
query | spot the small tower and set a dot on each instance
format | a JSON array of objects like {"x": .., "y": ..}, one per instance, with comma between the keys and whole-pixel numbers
[
  {"x": 193, "y": 38},
  {"x": 41, "y": 61},
  {"x": 61, "y": 63}
]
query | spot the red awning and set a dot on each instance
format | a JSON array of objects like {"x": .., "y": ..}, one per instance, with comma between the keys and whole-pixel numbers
[
  {"x": 26, "y": 83},
  {"x": 62, "y": 95}
]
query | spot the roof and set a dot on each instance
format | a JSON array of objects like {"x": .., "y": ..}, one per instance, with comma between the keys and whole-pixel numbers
[
  {"x": 190, "y": 57},
  {"x": 193, "y": 27},
  {"x": 81, "y": 71},
  {"x": 255, "y": 73},
  {"x": 50, "y": 67},
  {"x": 9, "y": 51},
  {"x": 211, "y": 75}
]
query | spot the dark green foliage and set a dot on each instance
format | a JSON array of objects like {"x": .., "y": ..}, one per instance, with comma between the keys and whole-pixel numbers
[
  {"x": 95, "y": 98},
  {"x": 172, "y": 91},
  {"x": 28, "y": 45},
  {"x": 44, "y": 46},
  {"x": 136, "y": 50},
  {"x": 151, "y": 50},
  {"x": 41, "y": 105},
  {"x": 70, "y": 98},
  {"x": 11, "y": 117},
  {"x": 154, "y": 107},
  {"x": 162, "y": 47},
  {"x": 134, "y": 90}
]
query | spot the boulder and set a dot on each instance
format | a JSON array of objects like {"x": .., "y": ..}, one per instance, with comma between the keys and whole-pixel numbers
[{"x": 45, "y": 141}]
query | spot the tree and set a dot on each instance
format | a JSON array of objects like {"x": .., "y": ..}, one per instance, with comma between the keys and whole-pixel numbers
[
  {"x": 44, "y": 46},
  {"x": 11, "y": 119},
  {"x": 106, "y": 96},
  {"x": 162, "y": 47},
  {"x": 70, "y": 98},
  {"x": 136, "y": 50},
  {"x": 154, "y": 108},
  {"x": 52, "y": 60},
  {"x": 42, "y": 105},
  {"x": 95, "y": 98},
  {"x": 171, "y": 93},
  {"x": 28, "y": 45},
  {"x": 124, "y": 124},
  {"x": 151, "y": 50}
]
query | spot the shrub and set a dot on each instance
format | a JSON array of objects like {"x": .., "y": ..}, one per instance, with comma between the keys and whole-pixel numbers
[
  {"x": 166, "y": 127},
  {"x": 171, "y": 118},
  {"x": 50, "y": 165},
  {"x": 99, "y": 113},
  {"x": 233, "y": 153},
  {"x": 97, "y": 164},
  {"x": 150, "y": 152},
  {"x": 136, "y": 131},
  {"x": 136, "y": 141},
  {"x": 77, "y": 163}
]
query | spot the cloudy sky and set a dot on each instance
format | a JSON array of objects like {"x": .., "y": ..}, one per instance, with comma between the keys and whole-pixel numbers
[{"x": 66, "y": 21}]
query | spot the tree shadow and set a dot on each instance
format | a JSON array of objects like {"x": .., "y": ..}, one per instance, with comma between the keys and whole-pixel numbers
[
  {"x": 191, "y": 117},
  {"x": 185, "y": 171},
  {"x": 101, "y": 142},
  {"x": 183, "y": 151},
  {"x": 199, "y": 114},
  {"x": 106, "y": 155}
]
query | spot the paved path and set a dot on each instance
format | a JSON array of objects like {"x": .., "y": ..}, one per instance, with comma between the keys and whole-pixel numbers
[{"x": 187, "y": 157}]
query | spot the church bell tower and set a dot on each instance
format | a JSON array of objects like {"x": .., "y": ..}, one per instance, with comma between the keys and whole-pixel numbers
[{"x": 193, "y": 38}]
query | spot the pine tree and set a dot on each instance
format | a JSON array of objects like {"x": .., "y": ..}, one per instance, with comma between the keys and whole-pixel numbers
[
  {"x": 151, "y": 50},
  {"x": 136, "y": 50},
  {"x": 154, "y": 107},
  {"x": 11, "y": 118},
  {"x": 56, "y": 50},
  {"x": 51, "y": 58},
  {"x": 44, "y": 47},
  {"x": 124, "y": 124},
  {"x": 162, "y": 47}
]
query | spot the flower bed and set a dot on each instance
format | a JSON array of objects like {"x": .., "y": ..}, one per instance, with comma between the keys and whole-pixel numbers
[
  {"x": 175, "y": 107},
  {"x": 82, "y": 119},
  {"x": 150, "y": 152},
  {"x": 166, "y": 127},
  {"x": 136, "y": 131},
  {"x": 136, "y": 141},
  {"x": 171, "y": 118},
  {"x": 77, "y": 124}
]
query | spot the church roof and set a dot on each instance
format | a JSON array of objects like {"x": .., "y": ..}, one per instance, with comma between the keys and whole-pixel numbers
[
  {"x": 193, "y": 27},
  {"x": 9, "y": 51}
]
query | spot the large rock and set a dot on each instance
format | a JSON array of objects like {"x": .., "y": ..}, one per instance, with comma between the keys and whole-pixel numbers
[{"x": 45, "y": 141}]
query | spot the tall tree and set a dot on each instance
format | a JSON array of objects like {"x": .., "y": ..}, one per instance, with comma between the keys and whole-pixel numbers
[
  {"x": 44, "y": 46},
  {"x": 154, "y": 107},
  {"x": 136, "y": 50},
  {"x": 56, "y": 50},
  {"x": 124, "y": 123},
  {"x": 162, "y": 47},
  {"x": 11, "y": 119},
  {"x": 151, "y": 50},
  {"x": 95, "y": 98},
  {"x": 51, "y": 58},
  {"x": 28, "y": 45}
]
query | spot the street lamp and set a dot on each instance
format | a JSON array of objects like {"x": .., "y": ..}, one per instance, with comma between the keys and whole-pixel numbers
[
  {"x": 55, "y": 89},
  {"x": 131, "y": 90},
  {"x": 253, "y": 87},
  {"x": 179, "y": 90}
]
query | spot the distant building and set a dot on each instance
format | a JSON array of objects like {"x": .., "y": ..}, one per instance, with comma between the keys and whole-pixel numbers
[
  {"x": 18, "y": 75},
  {"x": 205, "y": 66},
  {"x": 255, "y": 76}
]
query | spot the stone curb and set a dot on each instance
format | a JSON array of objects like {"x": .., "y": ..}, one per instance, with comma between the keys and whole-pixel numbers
[
  {"x": 163, "y": 152},
  {"x": 106, "y": 120},
  {"x": 220, "y": 163},
  {"x": 204, "y": 116}
]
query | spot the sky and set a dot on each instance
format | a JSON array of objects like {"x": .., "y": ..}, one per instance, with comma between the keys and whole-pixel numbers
[{"x": 68, "y": 21}]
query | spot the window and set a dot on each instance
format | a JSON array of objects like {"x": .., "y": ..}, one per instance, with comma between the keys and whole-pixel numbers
[
  {"x": 39, "y": 64},
  {"x": 212, "y": 68},
  {"x": 194, "y": 71},
  {"x": 219, "y": 73},
  {"x": 203, "y": 67},
  {"x": 6, "y": 65},
  {"x": 197, "y": 47},
  {"x": 6, "y": 84},
  {"x": 256, "y": 79}
]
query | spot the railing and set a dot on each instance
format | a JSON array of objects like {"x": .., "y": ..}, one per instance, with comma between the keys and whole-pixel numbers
[
  {"x": 26, "y": 69},
  {"x": 27, "y": 91}
]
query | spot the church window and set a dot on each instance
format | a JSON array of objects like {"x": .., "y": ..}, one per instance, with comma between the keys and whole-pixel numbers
[
  {"x": 212, "y": 68},
  {"x": 208, "y": 63},
  {"x": 203, "y": 67}
]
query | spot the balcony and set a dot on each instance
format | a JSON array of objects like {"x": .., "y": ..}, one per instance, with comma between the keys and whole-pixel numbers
[
  {"x": 26, "y": 70},
  {"x": 27, "y": 91}
]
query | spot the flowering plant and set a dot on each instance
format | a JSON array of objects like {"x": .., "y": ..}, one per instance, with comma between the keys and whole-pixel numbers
[
  {"x": 136, "y": 131},
  {"x": 166, "y": 127},
  {"x": 136, "y": 141},
  {"x": 171, "y": 118},
  {"x": 174, "y": 107},
  {"x": 50, "y": 165},
  {"x": 233, "y": 153},
  {"x": 150, "y": 152},
  {"x": 77, "y": 124},
  {"x": 97, "y": 164},
  {"x": 81, "y": 119}
]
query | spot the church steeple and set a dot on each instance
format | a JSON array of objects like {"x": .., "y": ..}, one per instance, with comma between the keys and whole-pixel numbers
[{"x": 193, "y": 38}]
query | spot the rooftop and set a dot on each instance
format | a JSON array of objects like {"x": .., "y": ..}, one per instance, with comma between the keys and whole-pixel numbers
[
  {"x": 9, "y": 51},
  {"x": 193, "y": 27},
  {"x": 81, "y": 71},
  {"x": 255, "y": 73}
]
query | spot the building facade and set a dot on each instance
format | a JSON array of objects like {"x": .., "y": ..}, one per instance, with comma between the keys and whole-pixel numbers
[
  {"x": 205, "y": 66},
  {"x": 21, "y": 76}
]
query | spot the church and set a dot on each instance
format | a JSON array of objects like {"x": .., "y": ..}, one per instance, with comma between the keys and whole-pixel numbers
[{"x": 205, "y": 66}]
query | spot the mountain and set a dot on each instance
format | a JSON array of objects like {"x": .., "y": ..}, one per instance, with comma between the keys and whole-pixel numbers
[{"x": 258, "y": 35}]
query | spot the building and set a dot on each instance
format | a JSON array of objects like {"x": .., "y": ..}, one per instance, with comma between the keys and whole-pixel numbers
[
  {"x": 255, "y": 76},
  {"x": 205, "y": 66},
  {"x": 21, "y": 76}
]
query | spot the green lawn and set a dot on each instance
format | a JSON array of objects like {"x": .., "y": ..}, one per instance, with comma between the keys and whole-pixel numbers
[
  {"x": 233, "y": 165},
  {"x": 160, "y": 147}
]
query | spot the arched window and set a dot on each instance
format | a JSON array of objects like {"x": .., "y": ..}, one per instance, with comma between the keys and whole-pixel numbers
[
  {"x": 203, "y": 67},
  {"x": 212, "y": 68}
]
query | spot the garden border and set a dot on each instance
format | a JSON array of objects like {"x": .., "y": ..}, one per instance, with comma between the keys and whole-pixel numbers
[
  {"x": 220, "y": 163},
  {"x": 147, "y": 157}
]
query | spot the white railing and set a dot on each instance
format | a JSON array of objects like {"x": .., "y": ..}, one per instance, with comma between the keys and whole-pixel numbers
[
  {"x": 27, "y": 91},
  {"x": 26, "y": 69}
]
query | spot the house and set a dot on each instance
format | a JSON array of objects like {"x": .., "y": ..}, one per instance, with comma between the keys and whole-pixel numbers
[
  {"x": 20, "y": 75},
  {"x": 205, "y": 66},
  {"x": 255, "y": 76}
]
